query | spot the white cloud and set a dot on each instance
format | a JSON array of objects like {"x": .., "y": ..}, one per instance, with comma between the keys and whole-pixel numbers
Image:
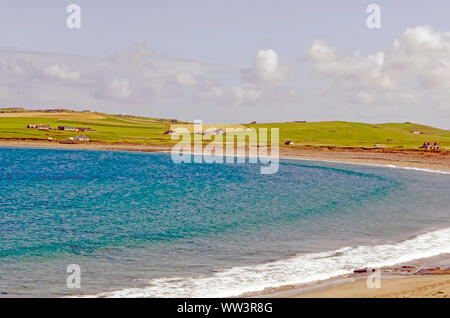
[
  {"x": 349, "y": 70},
  {"x": 266, "y": 67},
  {"x": 411, "y": 78},
  {"x": 61, "y": 72}
]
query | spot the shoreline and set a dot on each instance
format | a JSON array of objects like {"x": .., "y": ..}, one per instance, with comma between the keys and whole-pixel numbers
[
  {"x": 409, "y": 159},
  {"x": 424, "y": 277},
  {"x": 392, "y": 275}
]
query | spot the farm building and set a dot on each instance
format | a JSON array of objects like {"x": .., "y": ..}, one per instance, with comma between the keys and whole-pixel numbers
[
  {"x": 430, "y": 145},
  {"x": 85, "y": 129},
  {"x": 38, "y": 126},
  {"x": 66, "y": 128}
]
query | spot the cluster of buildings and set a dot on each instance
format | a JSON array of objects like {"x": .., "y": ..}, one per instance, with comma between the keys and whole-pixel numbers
[
  {"x": 78, "y": 138},
  {"x": 65, "y": 128}
]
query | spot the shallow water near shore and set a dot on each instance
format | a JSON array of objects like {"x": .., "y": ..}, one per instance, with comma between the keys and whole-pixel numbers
[{"x": 139, "y": 225}]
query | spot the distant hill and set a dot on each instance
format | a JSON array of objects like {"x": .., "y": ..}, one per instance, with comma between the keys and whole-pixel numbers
[{"x": 143, "y": 130}]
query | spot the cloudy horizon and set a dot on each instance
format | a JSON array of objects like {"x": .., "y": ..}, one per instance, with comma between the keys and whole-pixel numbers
[{"x": 261, "y": 65}]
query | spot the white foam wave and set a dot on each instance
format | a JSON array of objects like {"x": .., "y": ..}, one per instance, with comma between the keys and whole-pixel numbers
[
  {"x": 373, "y": 165},
  {"x": 296, "y": 270},
  {"x": 420, "y": 169}
]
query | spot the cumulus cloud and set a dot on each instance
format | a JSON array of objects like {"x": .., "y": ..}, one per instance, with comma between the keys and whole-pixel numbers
[
  {"x": 266, "y": 67},
  {"x": 348, "y": 70},
  {"x": 412, "y": 78},
  {"x": 260, "y": 82},
  {"x": 419, "y": 59},
  {"x": 424, "y": 55}
]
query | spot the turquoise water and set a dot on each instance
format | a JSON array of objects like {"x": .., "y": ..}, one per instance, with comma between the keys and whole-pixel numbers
[{"x": 139, "y": 220}]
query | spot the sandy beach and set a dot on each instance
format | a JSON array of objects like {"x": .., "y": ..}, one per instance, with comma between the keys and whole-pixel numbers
[
  {"x": 410, "y": 158},
  {"x": 411, "y": 287}
]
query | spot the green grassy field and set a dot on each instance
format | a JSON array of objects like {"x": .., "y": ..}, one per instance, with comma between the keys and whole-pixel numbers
[
  {"x": 143, "y": 130},
  {"x": 348, "y": 134},
  {"x": 109, "y": 128}
]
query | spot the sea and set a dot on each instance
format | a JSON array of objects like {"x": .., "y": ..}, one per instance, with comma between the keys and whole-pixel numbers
[{"x": 137, "y": 224}]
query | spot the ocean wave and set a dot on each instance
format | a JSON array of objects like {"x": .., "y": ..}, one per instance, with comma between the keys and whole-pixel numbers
[
  {"x": 300, "y": 269},
  {"x": 373, "y": 165},
  {"x": 420, "y": 169}
]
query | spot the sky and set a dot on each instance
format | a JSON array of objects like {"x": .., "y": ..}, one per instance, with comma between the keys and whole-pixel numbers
[{"x": 230, "y": 61}]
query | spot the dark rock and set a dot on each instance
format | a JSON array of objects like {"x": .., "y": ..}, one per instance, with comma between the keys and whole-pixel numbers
[{"x": 361, "y": 270}]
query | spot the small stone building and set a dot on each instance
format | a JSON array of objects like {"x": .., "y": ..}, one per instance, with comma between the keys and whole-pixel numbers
[{"x": 81, "y": 138}]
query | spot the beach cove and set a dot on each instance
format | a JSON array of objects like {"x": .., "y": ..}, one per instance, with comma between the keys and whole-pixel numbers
[{"x": 162, "y": 230}]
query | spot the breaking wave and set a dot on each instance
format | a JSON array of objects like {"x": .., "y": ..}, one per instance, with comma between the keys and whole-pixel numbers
[{"x": 296, "y": 270}]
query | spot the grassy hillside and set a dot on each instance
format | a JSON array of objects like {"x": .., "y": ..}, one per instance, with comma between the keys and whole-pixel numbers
[
  {"x": 143, "y": 130},
  {"x": 346, "y": 134},
  {"x": 109, "y": 128}
]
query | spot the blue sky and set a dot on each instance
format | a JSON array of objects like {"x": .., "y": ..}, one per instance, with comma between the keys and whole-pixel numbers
[{"x": 191, "y": 47}]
